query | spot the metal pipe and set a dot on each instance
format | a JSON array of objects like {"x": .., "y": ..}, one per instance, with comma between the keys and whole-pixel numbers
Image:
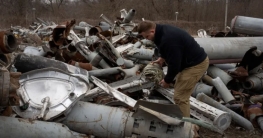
[
  {"x": 201, "y": 111},
  {"x": 104, "y": 24},
  {"x": 134, "y": 83},
  {"x": 224, "y": 48},
  {"x": 8, "y": 43},
  {"x": 227, "y": 67},
  {"x": 207, "y": 79},
  {"x": 84, "y": 51},
  {"x": 201, "y": 87},
  {"x": 221, "y": 88},
  {"x": 123, "y": 13},
  {"x": 214, "y": 72},
  {"x": 223, "y": 61},
  {"x": 247, "y": 25},
  {"x": 236, "y": 117},
  {"x": 120, "y": 61},
  {"x": 105, "y": 72},
  {"x": 129, "y": 16},
  {"x": 103, "y": 121},
  {"x": 113, "y": 122},
  {"x": 254, "y": 82},
  {"x": 131, "y": 72},
  {"x": 115, "y": 70},
  {"x": 25, "y": 63},
  {"x": 106, "y": 19},
  {"x": 26, "y": 128}
]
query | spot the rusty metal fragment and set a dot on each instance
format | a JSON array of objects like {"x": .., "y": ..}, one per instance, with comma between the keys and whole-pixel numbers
[{"x": 8, "y": 42}]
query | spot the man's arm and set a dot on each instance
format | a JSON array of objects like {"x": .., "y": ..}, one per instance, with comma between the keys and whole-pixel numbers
[{"x": 173, "y": 59}]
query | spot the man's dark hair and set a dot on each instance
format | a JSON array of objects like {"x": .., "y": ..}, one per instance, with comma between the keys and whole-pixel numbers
[{"x": 145, "y": 26}]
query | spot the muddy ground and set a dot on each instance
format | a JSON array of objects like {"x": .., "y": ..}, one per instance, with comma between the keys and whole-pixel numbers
[{"x": 234, "y": 131}]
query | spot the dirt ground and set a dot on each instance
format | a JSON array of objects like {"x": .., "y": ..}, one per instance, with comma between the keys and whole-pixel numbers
[{"x": 234, "y": 131}]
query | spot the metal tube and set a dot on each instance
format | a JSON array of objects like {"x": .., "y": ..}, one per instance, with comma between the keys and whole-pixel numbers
[
  {"x": 8, "y": 42},
  {"x": 229, "y": 66},
  {"x": 223, "y": 90},
  {"x": 129, "y": 16},
  {"x": 120, "y": 60},
  {"x": 223, "y": 61},
  {"x": 103, "y": 121},
  {"x": 133, "y": 82},
  {"x": 201, "y": 87},
  {"x": 84, "y": 51},
  {"x": 113, "y": 122},
  {"x": 207, "y": 79},
  {"x": 104, "y": 24},
  {"x": 214, "y": 72},
  {"x": 131, "y": 72},
  {"x": 26, "y": 128},
  {"x": 247, "y": 25},
  {"x": 105, "y": 72},
  {"x": 224, "y": 48},
  {"x": 106, "y": 19},
  {"x": 254, "y": 82},
  {"x": 25, "y": 63},
  {"x": 123, "y": 13},
  {"x": 201, "y": 110},
  {"x": 236, "y": 117}
]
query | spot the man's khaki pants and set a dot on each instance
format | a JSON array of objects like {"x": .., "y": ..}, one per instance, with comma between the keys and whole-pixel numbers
[{"x": 185, "y": 83}]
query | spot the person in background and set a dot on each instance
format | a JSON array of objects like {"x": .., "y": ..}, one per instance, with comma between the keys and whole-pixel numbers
[{"x": 186, "y": 60}]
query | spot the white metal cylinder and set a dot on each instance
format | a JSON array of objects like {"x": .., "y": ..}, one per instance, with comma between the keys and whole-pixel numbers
[
  {"x": 247, "y": 25},
  {"x": 214, "y": 72},
  {"x": 99, "y": 120},
  {"x": 219, "y": 118},
  {"x": 223, "y": 90},
  {"x": 201, "y": 87},
  {"x": 229, "y": 47},
  {"x": 235, "y": 117}
]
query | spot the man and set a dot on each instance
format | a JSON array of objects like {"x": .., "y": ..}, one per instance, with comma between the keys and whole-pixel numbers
[{"x": 185, "y": 59}]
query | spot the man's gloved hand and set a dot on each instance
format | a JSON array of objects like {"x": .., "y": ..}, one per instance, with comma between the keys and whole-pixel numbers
[
  {"x": 164, "y": 84},
  {"x": 159, "y": 61}
]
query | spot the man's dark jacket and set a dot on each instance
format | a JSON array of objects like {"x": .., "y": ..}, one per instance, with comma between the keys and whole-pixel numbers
[{"x": 178, "y": 48}]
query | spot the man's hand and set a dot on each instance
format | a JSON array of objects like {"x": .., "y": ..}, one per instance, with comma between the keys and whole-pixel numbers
[
  {"x": 164, "y": 84},
  {"x": 159, "y": 61}
]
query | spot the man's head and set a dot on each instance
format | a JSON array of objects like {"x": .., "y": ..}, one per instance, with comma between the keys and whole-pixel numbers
[{"x": 147, "y": 29}]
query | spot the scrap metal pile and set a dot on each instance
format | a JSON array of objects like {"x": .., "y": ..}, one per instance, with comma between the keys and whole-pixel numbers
[{"x": 78, "y": 80}]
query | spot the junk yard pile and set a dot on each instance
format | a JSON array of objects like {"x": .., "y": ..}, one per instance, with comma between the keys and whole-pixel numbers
[{"x": 79, "y": 80}]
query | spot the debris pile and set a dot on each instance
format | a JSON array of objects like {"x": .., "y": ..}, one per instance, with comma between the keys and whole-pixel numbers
[{"x": 77, "y": 80}]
